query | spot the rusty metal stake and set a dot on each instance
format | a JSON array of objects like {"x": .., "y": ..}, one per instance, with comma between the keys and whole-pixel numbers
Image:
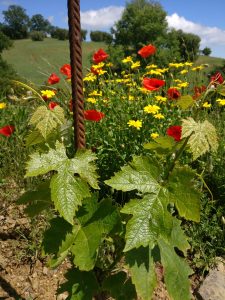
[{"x": 76, "y": 72}]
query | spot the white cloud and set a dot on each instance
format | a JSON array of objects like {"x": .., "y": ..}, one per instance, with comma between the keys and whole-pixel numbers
[
  {"x": 51, "y": 19},
  {"x": 102, "y": 18},
  {"x": 210, "y": 36}
]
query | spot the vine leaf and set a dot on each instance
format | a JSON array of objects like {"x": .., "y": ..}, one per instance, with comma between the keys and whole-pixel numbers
[
  {"x": 176, "y": 272},
  {"x": 80, "y": 285},
  {"x": 203, "y": 136},
  {"x": 67, "y": 190},
  {"x": 120, "y": 286},
  {"x": 142, "y": 175},
  {"x": 184, "y": 194},
  {"x": 46, "y": 120},
  {"x": 37, "y": 200},
  {"x": 96, "y": 220},
  {"x": 141, "y": 267},
  {"x": 161, "y": 144},
  {"x": 185, "y": 101}
]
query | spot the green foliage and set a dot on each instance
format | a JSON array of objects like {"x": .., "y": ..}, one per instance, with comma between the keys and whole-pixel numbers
[
  {"x": 60, "y": 33},
  {"x": 101, "y": 36},
  {"x": 39, "y": 23},
  {"x": 80, "y": 285},
  {"x": 46, "y": 120},
  {"x": 206, "y": 51},
  {"x": 16, "y": 22},
  {"x": 141, "y": 267},
  {"x": 5, "y": 42},
  {"x": 67, "y": 191},
  {"x": 203, "y": 137},
  {"x": 142, "y": 22},
  {"x": 37, "y": 36}
]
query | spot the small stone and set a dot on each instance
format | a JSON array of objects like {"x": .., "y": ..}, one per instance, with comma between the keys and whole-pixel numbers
[{"x": 45, "y": 271}]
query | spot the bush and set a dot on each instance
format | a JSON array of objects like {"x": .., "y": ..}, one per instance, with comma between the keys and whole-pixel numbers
[
  {"x": 37, "y": 36},
  {"x": 101, "y": 36},
  {"x": 60, "y": 34}
]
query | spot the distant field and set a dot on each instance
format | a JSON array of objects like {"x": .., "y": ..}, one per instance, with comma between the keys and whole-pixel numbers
[{"x": 35, "y": 61}]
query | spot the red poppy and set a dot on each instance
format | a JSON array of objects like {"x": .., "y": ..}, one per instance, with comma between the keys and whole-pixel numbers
[
  {"x": 7, "y": 130},
  {"x": 175, "y": 132},
  {"x": 173, "y": 94},
  {"x": 147, "y": 51},
  {"x": 52, "y": 105},
  {"x": 66, "y": 70},
  {"x": 152, "y": 84},
  {"x": 99, "y": 56},
  {"x": 53, "y": 78},
  {"x": 93, "y": 115},
  {"x": 217, "y": 78}
]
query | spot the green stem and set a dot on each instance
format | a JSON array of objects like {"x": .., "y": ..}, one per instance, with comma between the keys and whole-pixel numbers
[{"x": 176, "y": 157}]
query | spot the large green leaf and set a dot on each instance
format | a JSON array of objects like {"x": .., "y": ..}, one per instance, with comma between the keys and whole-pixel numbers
[
  {"x": 141, "y": 268},
  {"x": 67, "y": 190},
  {"x": 120, "y": 287},
  {"x": 80, "y": 285},
  {"x": 150, "y": 218},
  {"x": 142, "y": 175},
  {"x": 185, "y": 101},
  {"x": 183, "y": 193},
  {"x": 46, "y": 120},
  {"x": 37, "y": 200},
  {"x": 203, "y": 137},
  {"x": 176, "y": 272},
  {"x": 161, "y": 144},
  {"x": 96, "y": 220}
]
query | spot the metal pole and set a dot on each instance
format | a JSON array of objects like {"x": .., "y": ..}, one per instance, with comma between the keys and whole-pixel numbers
[{"x": 76, "y": 72}]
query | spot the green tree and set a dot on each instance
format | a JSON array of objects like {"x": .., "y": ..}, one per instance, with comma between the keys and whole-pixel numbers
[
  {"x": 101, "y": 36},
  {"x": 189, "y": 44},
  {"x": 206, "y": 51},
  {"x": 142, "y": 22},
  {"x": 39, "y": 23},
  {"x": 5, "y": 42},
  {"x": 16, "y": 22}
]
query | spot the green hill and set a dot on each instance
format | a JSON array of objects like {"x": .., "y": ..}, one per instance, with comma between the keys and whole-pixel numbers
[{"x": 35, "y": 61}]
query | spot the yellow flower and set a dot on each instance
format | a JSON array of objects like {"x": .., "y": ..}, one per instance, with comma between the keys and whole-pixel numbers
[
  {"x": 154, "y": 135},
  {"x": 91, "y": 100},
  {"x": 2, "y": 105},
  {"x": 160, "y": 98},
  {"x": 159, "y": 116},
  {"x": 135, "y": 65},
  {"x": 101, "y": 72},
  {"x": 198, "y": 68},
  {"x": 206, "y": 105},
  {"x": 188, "y": 64},
  {"x": 184, "y": 72},
  {"x": 127, "y": 59},
  {"x": 98, "y": 66},
  {"x": 183, "y": 84},
  {"x": 221, "y": 101},
  {"x": 151, "y": 109},
  {"x": 151, "y": 66},
  {"x": 176, "y": 65},
  {"x": 109, "y": 64},
  {"x": 95, "y": 93},
  {"x": 90, "y": 77},
  {"x": 154, "y": 72},
  {"x": 48, "y": 94},
  {"x": 137, "y": 124},
  {"x": 131, "y": 98}
]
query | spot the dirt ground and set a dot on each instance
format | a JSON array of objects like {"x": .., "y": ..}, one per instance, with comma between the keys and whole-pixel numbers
[{"x": 23, "y": 274}]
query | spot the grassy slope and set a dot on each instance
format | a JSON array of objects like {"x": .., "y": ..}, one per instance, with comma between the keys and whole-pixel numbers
[{"x": 35, "y": 61}]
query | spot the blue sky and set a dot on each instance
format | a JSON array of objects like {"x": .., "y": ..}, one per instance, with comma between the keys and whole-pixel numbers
[{"x": 202, "y": 17}]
